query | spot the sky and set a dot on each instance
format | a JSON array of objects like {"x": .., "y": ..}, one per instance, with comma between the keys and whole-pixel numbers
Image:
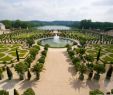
[{"x": 50, "y": 10}]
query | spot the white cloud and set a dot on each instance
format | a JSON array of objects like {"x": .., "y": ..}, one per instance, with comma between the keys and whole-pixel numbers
[{"x": 56, "y": 9}]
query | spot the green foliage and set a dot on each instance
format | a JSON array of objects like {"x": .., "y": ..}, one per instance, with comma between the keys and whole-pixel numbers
[
  {"x": 30, "y": 42},
  {"x": 69, "y": 47},
  {"x": 44, "y": 52},
  {"x": 29, "y": 91},
  {"x": 7, "y": 23},
  {"x": 87, "y": 24},
  {"x": 36, "y": 47},
  {"x": 96, "y": 92},
  {"x": 28, "y": 61},
  {"x": 9, "y": 73},
  {"x": 71, "y": 53},
  {"x": 99, "y": 68},
  {"x": 46, "y": 47},
  {"x": 82, "y": 69},
  {"x": 89, "y": 58},
  {"x": 21, "y": 68},
  {"x": 4, "y": 92},
  {"x": 75, "y": 60},
  {"x": 37, "y": 69},
  {"x": 33, "y": 52},
  {"x": 42, "y": 59}
]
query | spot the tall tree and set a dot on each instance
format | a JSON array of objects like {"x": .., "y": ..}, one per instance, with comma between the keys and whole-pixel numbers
[
  {"x": 9, "y": 73},
  {"x": 98, "y": 55},
  {"x": 28, "y": 75},
  {"x": 17, "y": 55},
  {"x": 109, "y": 72}
]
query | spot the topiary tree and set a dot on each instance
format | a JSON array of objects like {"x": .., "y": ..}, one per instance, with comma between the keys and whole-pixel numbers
[
  {"x": 98, "y": 55},
  {"x": 21, "y": 68},
  {"x": 75, "y": 60},
  {"x": 71, "y": 53},
  {"x": 81, "y": 51},
  {"x": 28, "y": 75},
  {"x": 9, "y": 73},
  {"x": 1, "y": 73},
  {"x": 44, "y": 52},
  {"x": 17, "y": 55},
  {"x": 30, "y": 42},
  {"x": 29, "y": 91},
  {"x": 46, "y": 47},
  {"x": 42, "y": 59},
  {"x": 33, "y": 52},
  {"x": 16, "y": 92},
  {"x": 4, "y": 92},
  {"x": 69, "y": 47},
  {"x": 82, "y": 69},
  {"x": 89, "y": 58},
  {"x": 37, "y": 69},
  {"x": 28, "y": 61},
  {"x": 90, "y": 69},
  {"x": 99, "y": 68}
]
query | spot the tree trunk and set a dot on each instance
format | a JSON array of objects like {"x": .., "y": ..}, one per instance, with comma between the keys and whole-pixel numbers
[
  {"x": 0, "y": 77},
  {"x": 97, "y": 76},
  {"x": 21, "y": 76},
  {"x": 90, "y": 75},
  {"x": 37, "y": 76},
  {"x": 81, "y": 77}
]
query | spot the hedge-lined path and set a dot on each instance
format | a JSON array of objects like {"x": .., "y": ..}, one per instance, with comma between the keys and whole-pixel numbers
[{"x": 57, "y": 77}]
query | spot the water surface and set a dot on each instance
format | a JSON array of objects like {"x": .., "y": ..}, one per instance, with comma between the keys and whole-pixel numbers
[{"x": 54, "y": 27}]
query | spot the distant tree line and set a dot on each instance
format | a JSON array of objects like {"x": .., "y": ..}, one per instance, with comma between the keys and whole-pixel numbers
[
  {"x": 20, "y": 24},
  {"x": 88, "y": 24}
]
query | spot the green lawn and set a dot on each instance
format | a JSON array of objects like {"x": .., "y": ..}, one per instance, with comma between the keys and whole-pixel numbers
[
  {"x": 11, "y": 51},
  {"x": 7, "y": 58},
  {"x": 93, "y": 50},
  {"x": 2, "y": 54},
  {"x": 107, "y": 58},
  {"x": 4, "y": 49}
]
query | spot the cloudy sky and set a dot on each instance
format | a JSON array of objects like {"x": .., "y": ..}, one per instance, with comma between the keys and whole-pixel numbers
[{"x": 97, "y": 10}]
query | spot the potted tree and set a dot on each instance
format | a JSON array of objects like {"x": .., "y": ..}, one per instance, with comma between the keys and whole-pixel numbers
[
  {"x": 99, "y": 68},
  {"x": 21, "y": 68},
  {"x": 82, "y": 69},
  {"x": 37, "y": 69}
]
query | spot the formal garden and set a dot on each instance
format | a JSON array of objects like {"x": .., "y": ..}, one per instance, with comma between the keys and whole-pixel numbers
[{"x": 18, "y": 51}]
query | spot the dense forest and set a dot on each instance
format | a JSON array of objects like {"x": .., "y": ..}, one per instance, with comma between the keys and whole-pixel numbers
[
  {"x": 20, "y": 24},
  {"x": 88, "y": 24},
  {"x": 83, "y": 24}
]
